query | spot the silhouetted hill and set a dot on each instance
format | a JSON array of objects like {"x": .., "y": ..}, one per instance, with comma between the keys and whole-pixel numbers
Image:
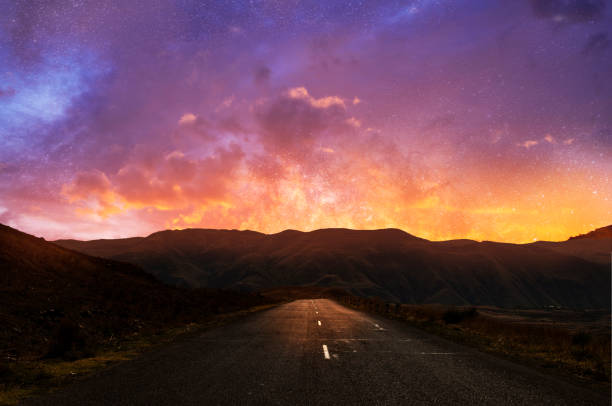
[
  {"x": 595, "y": 246},
  {"x": 600, "y": 233},
  {"x": 45, "y": 288},
  {"x": 387, "y": 263}
]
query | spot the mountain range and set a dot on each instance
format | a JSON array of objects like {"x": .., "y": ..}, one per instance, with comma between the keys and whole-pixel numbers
[
  {"x": 45, "y": 287},
  {"x": 389, "y": 263}
]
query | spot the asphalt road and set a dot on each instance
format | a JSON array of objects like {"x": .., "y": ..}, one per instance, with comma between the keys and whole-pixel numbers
[{"x": 312, "y": 352}]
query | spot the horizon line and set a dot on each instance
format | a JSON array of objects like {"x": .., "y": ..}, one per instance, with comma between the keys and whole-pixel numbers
[{"x": 315, "y": 230}]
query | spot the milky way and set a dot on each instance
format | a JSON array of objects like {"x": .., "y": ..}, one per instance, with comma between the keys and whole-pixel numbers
[{"x": 447, "y": 119}]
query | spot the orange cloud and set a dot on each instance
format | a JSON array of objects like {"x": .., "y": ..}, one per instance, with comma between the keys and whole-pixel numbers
[
  {"x": 94, "y": 190},
  {"x": 175, "y": 183},
  {"x": 322, "y": 103},
  {"x": 314, "y": 167},
  {"x": 527, "y": 144},
  {"x": 352, "y": 121}
]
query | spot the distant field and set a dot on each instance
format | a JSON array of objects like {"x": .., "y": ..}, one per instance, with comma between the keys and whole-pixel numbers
[{"x": 592, "y": 321}]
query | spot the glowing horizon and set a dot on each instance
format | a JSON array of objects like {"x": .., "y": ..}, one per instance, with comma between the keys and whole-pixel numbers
[
  {"x": 480, "y": 120},
  {"x": 301, "y": 231}
]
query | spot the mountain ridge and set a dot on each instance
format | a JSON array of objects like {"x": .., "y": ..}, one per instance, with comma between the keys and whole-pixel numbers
[
  {"x": 602, "y": 232},
  {"x": 387, "y": 263}
]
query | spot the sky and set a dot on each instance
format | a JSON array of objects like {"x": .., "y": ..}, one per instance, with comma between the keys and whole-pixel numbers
[{"x": 488, "y": 120}]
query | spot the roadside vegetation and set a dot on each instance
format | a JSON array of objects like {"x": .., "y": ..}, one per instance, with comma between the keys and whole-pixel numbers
[
  {"x": 578, "y": 349},
  {"x": 72, "y": 352}
]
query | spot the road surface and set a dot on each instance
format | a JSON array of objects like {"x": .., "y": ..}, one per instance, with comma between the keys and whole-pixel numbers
[{"x": 317, "y": 352}]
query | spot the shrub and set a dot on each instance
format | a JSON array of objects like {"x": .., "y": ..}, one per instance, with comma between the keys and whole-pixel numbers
[
  {"x": 454, "y": 316},
  {"x": 581, "y": 339},
  {"x": 67, "y": 338}
]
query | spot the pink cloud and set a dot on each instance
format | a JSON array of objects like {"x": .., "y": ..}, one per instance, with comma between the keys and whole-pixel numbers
[{"x": 528, "y": 144}]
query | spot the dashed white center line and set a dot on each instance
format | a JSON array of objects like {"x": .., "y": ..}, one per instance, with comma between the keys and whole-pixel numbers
[
  {"x": 325, "y": 352},
  {"x": 319, "y": 322},
  {"x": 437, "y": 353}
]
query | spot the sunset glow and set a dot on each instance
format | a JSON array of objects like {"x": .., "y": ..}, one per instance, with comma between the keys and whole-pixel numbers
[{"x": 488, "y": 120}]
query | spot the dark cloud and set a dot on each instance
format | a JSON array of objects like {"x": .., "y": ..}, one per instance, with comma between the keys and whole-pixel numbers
[
  {"x": 571, "y": 11},
  {"x": 293, "y": 122},
  {"x": 597, "y": 43},
  {"x": 602, "y": 139},
  {"x": 232, "y": 124},
  {"x": 8, "y": 92},
  {"x": 262, "y": 75}
]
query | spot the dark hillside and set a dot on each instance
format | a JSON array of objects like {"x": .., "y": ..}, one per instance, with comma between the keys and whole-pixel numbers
[
  {"x": 56, "y": 301},
  {"x": 390, "y": 264}
]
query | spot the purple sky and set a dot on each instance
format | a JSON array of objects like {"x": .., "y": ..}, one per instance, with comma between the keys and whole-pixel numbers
[{"x": 448, "y": 119}]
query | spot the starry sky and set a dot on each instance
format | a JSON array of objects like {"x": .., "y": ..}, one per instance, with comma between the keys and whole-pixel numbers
[{"x": 481, "y": 119}]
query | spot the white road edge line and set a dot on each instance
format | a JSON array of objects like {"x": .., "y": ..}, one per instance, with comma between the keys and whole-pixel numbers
[
  {"x": 325, "y": 352},
  {"x": 319, "y": 322}
]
